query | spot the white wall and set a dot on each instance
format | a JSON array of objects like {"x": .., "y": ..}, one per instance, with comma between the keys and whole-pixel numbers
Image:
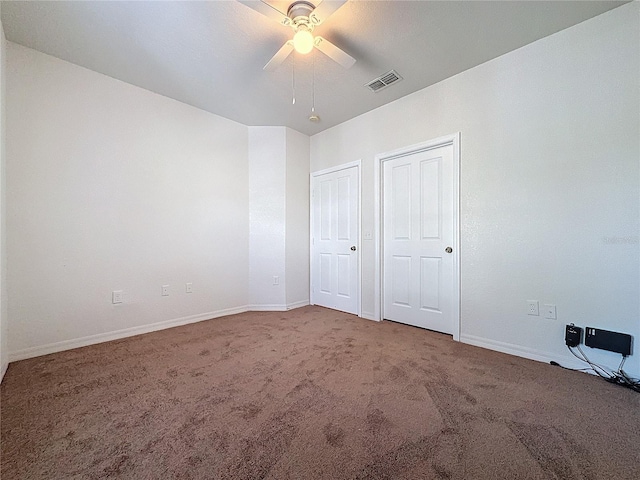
[
  {"x": 279, "y": 218},
  {"x": 4, "y": 357},
  {"x": 267, "y": 163},
  {"x": 297, "y": 219},
  {"x": 113, "y": 187},
  {"x": 550, "y": 178}
]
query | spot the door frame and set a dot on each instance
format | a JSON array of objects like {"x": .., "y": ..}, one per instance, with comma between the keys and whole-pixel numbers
[
  {"x": 312, "y": 175},
  {"x": 453, "y": 140}
]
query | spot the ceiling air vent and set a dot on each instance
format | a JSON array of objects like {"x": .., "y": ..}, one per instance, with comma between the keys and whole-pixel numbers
[{"x": 383, "y": 81}]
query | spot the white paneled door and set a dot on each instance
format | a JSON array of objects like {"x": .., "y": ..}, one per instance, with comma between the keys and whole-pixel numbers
[
  {"x": 334, "y": 268},
  {"x": 418, "y": 239}
]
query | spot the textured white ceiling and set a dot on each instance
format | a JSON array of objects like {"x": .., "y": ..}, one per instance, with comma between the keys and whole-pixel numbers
[{"x": 210, "y": 54}]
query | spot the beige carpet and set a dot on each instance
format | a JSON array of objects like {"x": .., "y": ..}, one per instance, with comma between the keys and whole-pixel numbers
[{"x": 307, "y": 394}]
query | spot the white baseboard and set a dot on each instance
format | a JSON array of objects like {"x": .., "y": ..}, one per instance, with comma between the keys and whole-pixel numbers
[
  {"x": 369, "y": 316},
  {"x": 277, "y": 307},
  {"x": 115, "y": 335},
  {"x": 3, "y": 370},
  {"x": 302, "y": 303},
  {"x": 267, "y": 308},
  {"x": 520, "y": 351}
]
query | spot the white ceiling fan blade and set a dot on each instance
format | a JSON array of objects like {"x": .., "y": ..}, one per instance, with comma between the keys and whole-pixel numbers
[
  {"x": 267, "y": 10},
  {"x": 334, "y": 53},
  {"x": 324, "y": 10},
  {"x": 279, "y": 57}
]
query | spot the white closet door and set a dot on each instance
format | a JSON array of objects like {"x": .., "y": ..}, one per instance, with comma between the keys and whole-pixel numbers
[
  {"x": 335, "y": 240},
  {"x": 418, "y": 225}
]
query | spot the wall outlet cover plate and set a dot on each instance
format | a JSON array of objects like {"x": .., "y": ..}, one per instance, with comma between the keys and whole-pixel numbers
[{"x": 550, "y": 311}]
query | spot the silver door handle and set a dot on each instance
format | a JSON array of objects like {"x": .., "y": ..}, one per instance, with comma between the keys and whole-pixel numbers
[
  {"x": 353, "y": 248},
  {"x": 448, "y": 249}
]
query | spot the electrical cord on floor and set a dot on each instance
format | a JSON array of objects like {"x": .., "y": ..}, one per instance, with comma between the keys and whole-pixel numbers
[
  {"x": 556, "y": 364},
  {"x": 618, "y": 377}
]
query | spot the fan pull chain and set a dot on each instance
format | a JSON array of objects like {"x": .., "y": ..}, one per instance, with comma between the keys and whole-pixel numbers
[
  {"x": 293, "y": 79},
  {"x": 313, "y": 83},
  {"x": 313, "y": 117}
]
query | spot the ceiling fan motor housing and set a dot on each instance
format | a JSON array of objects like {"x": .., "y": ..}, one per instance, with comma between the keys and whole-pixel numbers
[{"x": 300, "y": 15}]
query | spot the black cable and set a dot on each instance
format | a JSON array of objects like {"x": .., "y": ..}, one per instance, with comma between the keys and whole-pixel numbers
[
  {"x": 632, "y": 383},
  {"x": 607, "y": 374},
  {"x": 584, "y": 358},
  {"x": 598, "y": 369},
  {"x": 624, "y": 359},
  {"x": 618, "y": 377},
  {"x": 556, "y": 364}
]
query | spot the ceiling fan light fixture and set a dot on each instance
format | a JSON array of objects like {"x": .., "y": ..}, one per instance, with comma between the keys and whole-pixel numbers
[{"x": 303, "y": 41}]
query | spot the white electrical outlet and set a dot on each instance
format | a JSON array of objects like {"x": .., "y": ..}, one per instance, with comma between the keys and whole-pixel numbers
[
  {"x": 550, "y": 311},
  {"x": 189, "y": 287},
  {"x": 533, "y": 308},
  {"x": 276, "y": 280},
  {"x": 165, "y": 290},
  {"x": 116, "y": 296}
]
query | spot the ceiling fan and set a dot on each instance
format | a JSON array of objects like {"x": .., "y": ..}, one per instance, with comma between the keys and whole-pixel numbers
[{"x": 303, "y": 16}]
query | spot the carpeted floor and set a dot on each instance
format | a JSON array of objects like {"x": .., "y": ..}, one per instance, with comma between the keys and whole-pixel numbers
[{"x": 310, "y": 394}]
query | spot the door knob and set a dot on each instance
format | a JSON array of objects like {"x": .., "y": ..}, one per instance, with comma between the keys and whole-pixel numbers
[
  {"x": 448, "y": 249},
  {"x": 353, "y": 248}
]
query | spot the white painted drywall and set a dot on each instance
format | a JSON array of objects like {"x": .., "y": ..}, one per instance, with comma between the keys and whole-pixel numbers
[
  {"x": 4, "y": 352},
  {"x": 267, "y": 163},
  {"x": 297, "y": 219},
  {"x": 550, "y": 184},
  {"x": 112, "y": 187},
  {"x": 279, "y": 218}
]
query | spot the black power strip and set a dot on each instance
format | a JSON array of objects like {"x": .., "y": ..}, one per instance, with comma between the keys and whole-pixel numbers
[{"x": 606, "y": 340}]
